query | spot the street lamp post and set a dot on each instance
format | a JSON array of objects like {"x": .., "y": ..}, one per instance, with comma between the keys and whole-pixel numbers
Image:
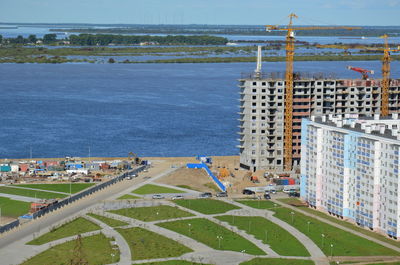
[
  {"x": 292, "y": 213},
  {"x": 219, "y": 241},
  {"x": 323, "y": 237},
  {"x": 190, "y": 231},
  {"x": 331, "y": 250},
  {"x": 308, "y": 226}
]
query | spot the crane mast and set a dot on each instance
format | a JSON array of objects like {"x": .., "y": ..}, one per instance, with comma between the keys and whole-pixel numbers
[
  {"x": 289, "y": 94},
  {"x": 385, "y": 78},
  {"x": 290, "y": 39}
]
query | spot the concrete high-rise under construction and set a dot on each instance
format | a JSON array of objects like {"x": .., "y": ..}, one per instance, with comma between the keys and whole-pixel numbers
[{"x": 262, "y": 98}]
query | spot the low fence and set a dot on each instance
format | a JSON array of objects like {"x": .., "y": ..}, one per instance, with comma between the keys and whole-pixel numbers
[
  {"x": 207, "y": 169},
  {"x": 73, "y": 198}
]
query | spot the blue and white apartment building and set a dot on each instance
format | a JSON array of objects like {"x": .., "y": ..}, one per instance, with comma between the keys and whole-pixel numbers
[{"x": 350, "y": 169}]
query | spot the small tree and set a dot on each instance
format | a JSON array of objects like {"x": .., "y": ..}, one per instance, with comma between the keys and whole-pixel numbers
[
  {"x": 111, "y": 60},
  {"x": 32, "y": 38},
  {"x": 49, "y": 38}
]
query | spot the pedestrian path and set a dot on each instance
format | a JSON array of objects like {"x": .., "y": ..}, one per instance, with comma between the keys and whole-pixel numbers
[
  {"x": 34, "y": 189},
  {"x": 20, "y": 198},
  {"x": 316, "y": 253}
]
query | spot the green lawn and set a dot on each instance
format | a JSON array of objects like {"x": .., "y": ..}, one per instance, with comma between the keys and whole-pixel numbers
[
  {"x": 207, "y": 206},
  {"x": 173, "y": 262},
  {"x": 264, "y": 261},
  {"x": 78, "y": 226},
  {"x": 13, "y": 208},
  {"x": 341, "y": 222},
  {"x": 212, "y": 186},
  {"x": 280, "y": 241},
  {"x": 31, "y": 193},
  {"x": 344, "y": 243},
  {"x": 96, "y": 249},
  {"x": 206, "y": 232},
  {"x": 259, "y": 204},
  {"x": 153, "y": 189},
  {"x": 145, "y": 244},
  {"x": 128, "y": 197},
  {"x": 108, "y": 221},
  {"x": 187, "y": 187},
  {"x": 75, "y": 187},
  {"x": 155, "y": 213}
]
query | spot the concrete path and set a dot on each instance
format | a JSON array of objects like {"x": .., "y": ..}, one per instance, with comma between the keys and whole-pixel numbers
[
  {"x": 316, "y": 253},
  {"x": 385, "y": 244},
  {"x": 20, "y": 198},
  {"x": 186, "y": 241},
  {"x": 243, "y": 234},
  {"x": 34, "y": 189},
  {"x": 125, "y": 251}
]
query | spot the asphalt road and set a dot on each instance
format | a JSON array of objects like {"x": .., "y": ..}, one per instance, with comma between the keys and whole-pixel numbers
[{"x": 69, "y": 210}]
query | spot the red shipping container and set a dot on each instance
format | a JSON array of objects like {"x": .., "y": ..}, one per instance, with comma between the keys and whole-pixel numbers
[
  {"x": 292, "y": 182},
  {"x": 23, "y": 167}
]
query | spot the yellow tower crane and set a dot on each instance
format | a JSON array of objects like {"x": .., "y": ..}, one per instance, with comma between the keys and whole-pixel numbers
[
  {"x": 290, "y": 38},
  {"x": 386, "y": 76},
  {"x": 385, "y": 68}
]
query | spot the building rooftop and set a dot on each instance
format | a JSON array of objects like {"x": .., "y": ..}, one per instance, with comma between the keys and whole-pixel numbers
[{"x": 387, "y": 127}]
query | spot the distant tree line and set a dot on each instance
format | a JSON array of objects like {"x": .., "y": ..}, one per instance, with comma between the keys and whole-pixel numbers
[
  {"x": 107, "y": 39},
  {"x": 31, "y": 39}
]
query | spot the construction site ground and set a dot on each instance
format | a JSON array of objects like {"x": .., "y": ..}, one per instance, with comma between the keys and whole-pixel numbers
[{"x": 197, "y": 179}]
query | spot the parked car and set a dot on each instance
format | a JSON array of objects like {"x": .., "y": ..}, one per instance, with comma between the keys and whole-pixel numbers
[
  {"x": 205, "y": 195},
  {"x": 158, "y": 196},
  {"x": 177, "y": 197},
  {"x": 267, "y": 196},
  {"x": 289, "y": 190},
  {"x": 294, "y": 194},
  {"x": 272, "y": 191},
  {"x": 248, "y": 192},
  {"x": 222, "y": 194}
]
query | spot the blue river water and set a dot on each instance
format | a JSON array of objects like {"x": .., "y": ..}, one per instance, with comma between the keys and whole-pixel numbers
[{"x": 151, "y": 109}]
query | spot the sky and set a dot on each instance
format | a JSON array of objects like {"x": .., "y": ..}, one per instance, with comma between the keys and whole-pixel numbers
[{"x": 246, "y": 12}]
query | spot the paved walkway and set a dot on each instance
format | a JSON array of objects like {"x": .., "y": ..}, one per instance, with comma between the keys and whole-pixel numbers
[
  {"x": 316, "y": 253},
  {"x": 20, "y": 198},
  {"x": 124, "y": 249},
  {"x": 34, "y": 189},
  {"x": 385, "y": 244}
]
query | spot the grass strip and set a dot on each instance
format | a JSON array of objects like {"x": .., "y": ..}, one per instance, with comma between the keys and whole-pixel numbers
[
  {"x": 78, "y": 226},
  {"x": 263, "y": 261},
  {"x": 108, "y": 221},
  {"x": 155, "y": 213},
  {"x": 128, "y": 197},
  {"x": 173, "y": 262},
  {"x": 280, "y": 241},
  {"x": 332, "y": 240},
  {"x": 207, "y": 206},
  {"x": 145, "y": 244},
  {"x": 75, "y": 187},
  {"x": 13, "y": 208},
  {"x": 297, "y": 202},
  {"x": 96, "y": 249},
  {"x": 153, "y": 189},
  {"x": 31, "y": 193},
  {"x": 212, "y": 235}
]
